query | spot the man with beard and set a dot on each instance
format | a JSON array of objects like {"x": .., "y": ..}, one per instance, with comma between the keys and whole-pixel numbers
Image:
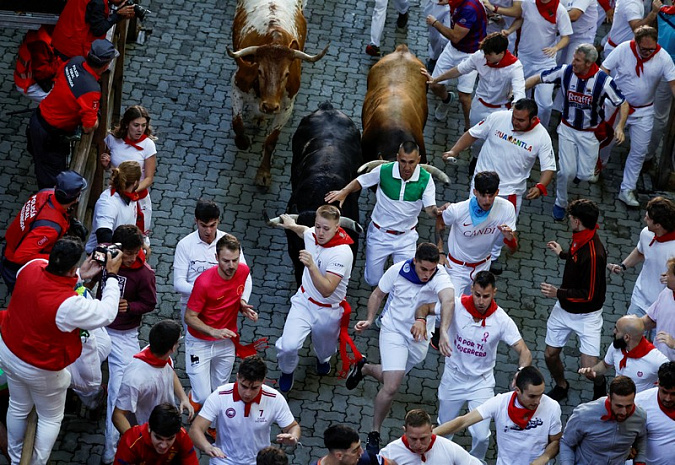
[
  {"x": 631, "y": 354},
  {"x": 344, "y": 448}
]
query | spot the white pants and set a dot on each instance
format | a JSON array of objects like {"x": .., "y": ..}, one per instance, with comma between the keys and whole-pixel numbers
[
  {"x": 577, "y": 155},
  {"x": 400, "y": 352},
  {"x": 380, "y": 245},
  {"x": 304, "y": 318},
  {"x": 454, "y": 391},
  {"x": 123, "y": 348},
  {"x": 380, "y": 14},
  {"x": 543, "y": 93},
  {"x": 208, "y": 364},
  {"x": 462, "y": 278},
  {"x": 34, "y": 92},
  {"x": 587, "y": 326},
  {"x": 86, "y": 370},
  {"x": 30, "y": 386},
  {"x": 662, "y": 101},
  {"x": 451, "y": 57},
  {"x": 640, "y": 131},
  {"x": 437, "y": 41}
]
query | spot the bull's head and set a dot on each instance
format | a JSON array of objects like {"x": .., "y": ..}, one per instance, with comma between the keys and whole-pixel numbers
[{"x": 277, "y": 70}]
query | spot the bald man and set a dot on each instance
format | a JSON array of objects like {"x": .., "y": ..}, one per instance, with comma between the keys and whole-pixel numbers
[{"x": 631, "y": 354}]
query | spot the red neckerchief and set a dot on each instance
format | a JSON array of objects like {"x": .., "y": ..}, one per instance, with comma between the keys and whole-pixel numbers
[
  {"x": 548, "y": 10},
  {"x": 341, "y": 237},
  {"x": 140, "y": 261},
  {"x": 669, "y": 10},
  {"x": 467, "y": 302},
  {"x": 581, "y": 238},
  {"x": 346, "y": 340},
  {"x": 610, "y": 415},
  {"x": 519, "y": 415},
  {"x": 134, "y": 197},
  {"x": 151, "y": 359},
  {"x": 665, "y": 238},
  {"x": 247, "y": 405},
  {"x": 639, "y": 351},
  {"x": 591, "y": 72},
  {"x": 134, "y": 143},
  {"x": 431, "y": 444},
  {"x": 507, "y": 60},
  {"x": 640, "y": 67},
  {"x": 454, "y": 4},
  {"x": 535, "y": 121},
  {"x": 246, "y": 350},
  {"x": 670, "y": 412}
]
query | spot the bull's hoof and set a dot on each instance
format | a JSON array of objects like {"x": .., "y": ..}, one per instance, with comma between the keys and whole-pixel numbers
[
  {"x": 263, "y": 180},
  {"x": 242, "y": 142}
]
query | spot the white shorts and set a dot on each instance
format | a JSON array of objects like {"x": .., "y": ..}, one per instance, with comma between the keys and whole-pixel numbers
[
  {"x": 399, "y": 352},
  {"x": 451, "y": 57},
  {"x": 587, "y": 326}
]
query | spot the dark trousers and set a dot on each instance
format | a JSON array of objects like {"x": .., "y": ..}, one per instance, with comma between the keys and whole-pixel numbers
[{"x": 49, "y": 148}]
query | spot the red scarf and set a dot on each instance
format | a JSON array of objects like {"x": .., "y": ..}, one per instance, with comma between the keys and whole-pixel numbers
[
  {"x": 639, "y": 351},
  {"x": 247, "y": 405},
  {"x": 467, "y": 302},
  {"x": 346, "y": 340},
  {"x": 665, "y": 238},
  {"x": 535, "y": 121},
  {"x": 640, "y": 67},
  {"x": 610, "y": 415},
  {"x": 431, "y": 444},
  {"x": 134, "y": 143},
  {"x": 519, "y": 415},
  {"x": 548, "y": 10},
  {"x": 507, "y": 60},
  {"x": 581, "y": 238},
  {"x": 341, "y": 237},
  {"x": 151, "y": 359},
  {"x": 140, "y": 261},
  {"x": 135, "y": 197},
  {"x": 245, "y": 350},
  {"x": 670, "y": 412},
  {"x": 591, "y": 72}
]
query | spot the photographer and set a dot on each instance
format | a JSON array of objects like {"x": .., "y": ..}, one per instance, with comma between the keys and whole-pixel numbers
[
  {"x": 44, "y": 219},
  {"x": 41, "y": 337}
]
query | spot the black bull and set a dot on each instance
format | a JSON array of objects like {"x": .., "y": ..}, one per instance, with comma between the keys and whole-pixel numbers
[{"x": 326, "y": 155}]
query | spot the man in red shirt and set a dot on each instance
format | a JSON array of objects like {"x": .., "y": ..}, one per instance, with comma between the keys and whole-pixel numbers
[
  {"x": 73, "y": 101},
  {"x": 160, "y": 441}
]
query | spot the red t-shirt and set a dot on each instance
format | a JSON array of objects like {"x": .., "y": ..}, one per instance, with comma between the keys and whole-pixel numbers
[
  {"x": 135, "y": 448},
  {"x": 218, "y": 301}
]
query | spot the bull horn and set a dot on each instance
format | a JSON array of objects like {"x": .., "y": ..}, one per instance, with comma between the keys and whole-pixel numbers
[
  {"x": 243, "y": 52},
  {"x": 298, "y": 55},
  {"x": 436, "y": 173},
  {"x": 276, "y": 221},
  {"x": 371, "y": 165},
  {"x": 348, "y": 223}
]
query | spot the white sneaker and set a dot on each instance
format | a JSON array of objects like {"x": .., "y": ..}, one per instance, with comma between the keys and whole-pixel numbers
[
  {"x": 442, "y": 109},
  {"x": 628, "y": 197}
]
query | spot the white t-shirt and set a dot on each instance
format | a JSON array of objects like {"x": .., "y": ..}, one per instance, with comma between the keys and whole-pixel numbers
[
  {"x": 643, "y": 371},
  {"x": 120, "y": 151},
  {"x": 240, "y": 437},
  {"x": 398, "y": 215},
  {"x": 660, "y": 429},
  {"x": 443, "y": 452},
  {"x": 663, "y": 313},
  {"x": 110, "y": 212},
  {"x": 639, "y": 91},
  {"x": 336, "y": 260},
  {"x": 512, "y": 153},
  {"x": 474, "y": 346},
  {"x": 588, "y": 21},
  {"x": 469, "y": 243},
  {"x": 518, "y": 446},
  {"x": 194, "y": 256},
  {"x": 405, "y": 297},
  {"x": 538, "y": 33},
  {"x": 648, "y": 284},
  {"x": 495, "y": 85},
  {"x": 143, "y": 387},
  {"x": 625, "y": 11}
]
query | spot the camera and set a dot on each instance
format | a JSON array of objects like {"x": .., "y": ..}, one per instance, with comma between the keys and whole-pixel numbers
[
  {"x": 100, "y": 254},
  {"x": 139, "y": 11}
]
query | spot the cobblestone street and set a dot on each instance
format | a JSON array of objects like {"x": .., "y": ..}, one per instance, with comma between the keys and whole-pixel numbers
[{"x": 182, "y": 75}]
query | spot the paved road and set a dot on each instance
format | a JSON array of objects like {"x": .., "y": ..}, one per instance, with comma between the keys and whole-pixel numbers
[{"x": 182, "y": 75}]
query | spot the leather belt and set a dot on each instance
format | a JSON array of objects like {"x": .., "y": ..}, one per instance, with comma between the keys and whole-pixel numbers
[
  {"x": 316, "y": 302},
  {"x": 391, "y": 231},
  {"x": 470, "y": 265}
]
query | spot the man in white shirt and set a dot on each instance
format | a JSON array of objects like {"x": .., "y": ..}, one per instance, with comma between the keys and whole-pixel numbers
[
  {"x": 317, "y": 307},
  {"x": 403, "y": 189},
  {"x": 244, "y": 413},
  {"x": 584, "y": 17},
  {"x": 659, "y": 404},
  {"x": 420, "y": 445},
  {"x": 660, "y": 316},
  {"x": 527, "y": 421},
  {"x": 407, "y": 285},
  {"x": 631, "y": 354},
  {"x": 628, "y": 16},
  {"x": 637, "y": 66},
  {"x": 477, "y": 327}
]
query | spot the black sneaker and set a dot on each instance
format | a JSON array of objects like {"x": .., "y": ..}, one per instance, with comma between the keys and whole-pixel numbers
[
  {"x": 496, "y": 268},
  {"x": 402, "y": 20},
  {"x": 322, "y": 369},
  {"x": 600, "y": 390},
  {"x": 373, "y": 442},
  {"x": 355, "y": 374},
  {"x": 435, "y": 338},
  {"x": 558, "y": 393}
]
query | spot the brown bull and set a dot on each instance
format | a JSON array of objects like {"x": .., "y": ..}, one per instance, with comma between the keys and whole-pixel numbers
[
  {"x": 395, "y": 108},
  {"x": 268, "y": 36}
]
